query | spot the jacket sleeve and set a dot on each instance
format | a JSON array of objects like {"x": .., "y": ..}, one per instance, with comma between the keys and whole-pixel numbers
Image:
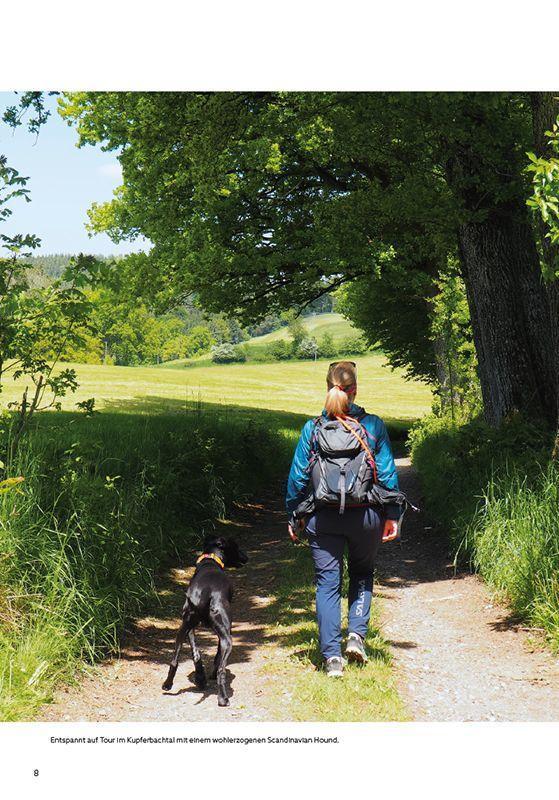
[
  {"x": 386, "y": 467},
  {"x": 298, "y": 477}
]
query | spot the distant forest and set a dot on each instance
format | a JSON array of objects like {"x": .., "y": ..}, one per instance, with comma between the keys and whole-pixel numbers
[{"x": 125, "y": 331}]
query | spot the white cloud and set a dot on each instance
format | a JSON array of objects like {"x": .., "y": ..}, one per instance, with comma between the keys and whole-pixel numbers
[{"x": 110, "y": 170}]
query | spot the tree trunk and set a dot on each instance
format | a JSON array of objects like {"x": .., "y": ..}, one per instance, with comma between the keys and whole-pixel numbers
[
  {"x": 545, "y": 111},
  {"x": 510, "y": 316}
]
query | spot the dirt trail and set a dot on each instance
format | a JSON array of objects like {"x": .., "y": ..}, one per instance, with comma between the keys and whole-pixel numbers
[
  {"x": 129, "y": 687},
  {"x": 458, "y": 656}
]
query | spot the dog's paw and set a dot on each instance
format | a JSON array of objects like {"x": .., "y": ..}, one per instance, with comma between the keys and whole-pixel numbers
[
  {"x": 223, "y": 701},
  {"x": 167, "y": 686}
]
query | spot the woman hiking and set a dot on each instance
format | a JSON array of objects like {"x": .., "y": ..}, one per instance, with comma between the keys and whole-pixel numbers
[{"x": 342, "y": 464}]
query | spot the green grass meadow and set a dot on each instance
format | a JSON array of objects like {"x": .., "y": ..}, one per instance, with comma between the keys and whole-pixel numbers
[
  {"x": 319, "y": 324},
  {"x": 107, "y": 501},
  {"x": 297, "y": 387}
]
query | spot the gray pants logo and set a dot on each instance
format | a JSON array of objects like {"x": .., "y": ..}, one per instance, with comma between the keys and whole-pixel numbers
[{"x": 360, "y": 599}]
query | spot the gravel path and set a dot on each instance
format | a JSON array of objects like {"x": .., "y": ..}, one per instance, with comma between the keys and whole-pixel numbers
[{"x": 458, "y": 655}]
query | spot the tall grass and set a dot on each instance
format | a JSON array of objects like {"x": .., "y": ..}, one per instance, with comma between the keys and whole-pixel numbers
[
  {"x": 104, "y": 503},
  {"x": 515, "y": 544},
  {"x": 496, "y": 494}
]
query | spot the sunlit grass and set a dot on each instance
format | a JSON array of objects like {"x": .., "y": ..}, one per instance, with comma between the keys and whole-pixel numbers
[
  {"x": 334, "y": 324},
  {"x": 304, "y": 692},
  {"x": 297, "y": 387}
]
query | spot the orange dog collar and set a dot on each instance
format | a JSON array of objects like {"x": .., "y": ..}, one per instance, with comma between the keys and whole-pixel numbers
[{"x": 215, "y": 558}]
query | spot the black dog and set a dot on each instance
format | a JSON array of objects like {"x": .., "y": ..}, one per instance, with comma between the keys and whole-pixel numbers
[{"x": 208, "y": 601}]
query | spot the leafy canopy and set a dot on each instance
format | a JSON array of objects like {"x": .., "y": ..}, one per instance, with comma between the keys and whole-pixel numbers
[{"x": 258, "y": 202}]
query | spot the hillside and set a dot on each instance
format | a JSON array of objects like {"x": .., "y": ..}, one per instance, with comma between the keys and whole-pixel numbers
[{"x": 317, "y": 325}]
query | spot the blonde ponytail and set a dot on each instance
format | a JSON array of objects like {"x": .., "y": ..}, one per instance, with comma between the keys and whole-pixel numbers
[
  {"x": 342, "y": 386},
  {"x": 337, "y": 402}
]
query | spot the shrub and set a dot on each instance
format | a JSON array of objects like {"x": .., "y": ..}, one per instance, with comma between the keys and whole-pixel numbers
[
  {"x": 297, "y": 331},
  {"x": 281, "y": 350},
  {"x": 228, "y": 354},
  {"x": 326, "y": 346},
  {"x": 308, "y": 348},
  {"x": 174, "y": 348},
  {"x": 198, "y": 340},
  {"x": 353, "y": 346}
]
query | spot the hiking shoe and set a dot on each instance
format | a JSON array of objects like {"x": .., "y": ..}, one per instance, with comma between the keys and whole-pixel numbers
[
  {"x": 355, "y": 649},
  {"x": 334, "y": 667}
]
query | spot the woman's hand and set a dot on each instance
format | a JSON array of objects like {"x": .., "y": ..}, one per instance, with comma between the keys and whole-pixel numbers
[
  {"x": 294, "y": 530},
  {"x": 390, "y": 531}
]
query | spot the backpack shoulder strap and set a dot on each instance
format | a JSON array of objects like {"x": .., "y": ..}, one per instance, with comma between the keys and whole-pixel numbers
[
  {"x": 316, "y": 421},
  {"x": 362, "y": 441}
]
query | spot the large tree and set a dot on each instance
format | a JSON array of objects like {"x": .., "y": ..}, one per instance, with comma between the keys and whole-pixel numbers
[{"x": 258, "y": 201}]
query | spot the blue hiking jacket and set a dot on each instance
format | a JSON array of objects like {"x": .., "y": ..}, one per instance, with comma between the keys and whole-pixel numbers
[{"x": 386, "y": 468}]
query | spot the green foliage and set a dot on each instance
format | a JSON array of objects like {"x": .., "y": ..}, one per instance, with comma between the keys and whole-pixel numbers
[
  {"x": 297, "y": 332},
  {"x": 106, "y": 501},
  {"x": 36, "y": 322},
  {"x": 199, "y": 340},
  {"x": 228, "y": 354},
  {"x": 353, "y": 346},
  {"x": 261, "y": 202},
  {"x": 545, "y": 197},
  {"x": 307, "y": 348},
  {"x": 121, "y": 329},
  {"x": 124, "y": 331},
  {"x": 280, "y": 350},
  {"x": 392, "y": 309},
  {"x": 30, "y": 111},
  {"x": 37, "y": 325},
  {"x": 456, "y": 462},
  {"x": 326, "y": 346},
  {"x": 278, "y": 196},
  {"x": 271, "y": 322},
  {"x": 514, "y": 540},
  {"x": 458, "y": 384},
  {"x": 50, "y": 266}
]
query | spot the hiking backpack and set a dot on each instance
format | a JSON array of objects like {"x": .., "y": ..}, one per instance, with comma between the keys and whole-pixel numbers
[{"x": 342, "y": 468}]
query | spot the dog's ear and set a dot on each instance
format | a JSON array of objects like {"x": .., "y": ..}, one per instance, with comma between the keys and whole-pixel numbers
[
  {"x": 217, "y": 542},
  {"x": 235, "y": 556}
]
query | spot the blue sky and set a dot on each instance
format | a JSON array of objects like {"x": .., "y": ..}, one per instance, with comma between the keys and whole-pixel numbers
[{"x": 63, "y": 181}]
